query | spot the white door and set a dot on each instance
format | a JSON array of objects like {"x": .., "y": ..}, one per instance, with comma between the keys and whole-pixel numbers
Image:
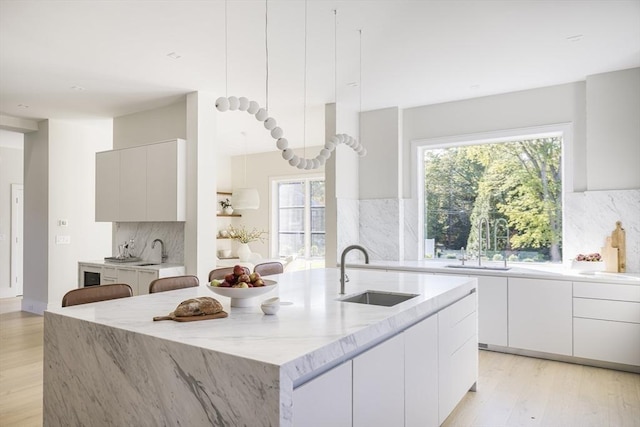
[{"x": 17, "y": 218}]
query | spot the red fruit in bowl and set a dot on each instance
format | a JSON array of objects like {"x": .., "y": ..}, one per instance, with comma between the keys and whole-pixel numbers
[
  {"x": 244, "y": 278},
  {"x": 224, "y": 284},
  {"x": 238, "y": 270},
  {"x": 230, "y": 278}
]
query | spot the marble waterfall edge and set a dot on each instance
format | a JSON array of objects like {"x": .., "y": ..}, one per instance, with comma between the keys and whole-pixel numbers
[{"x": 151, "y": 380}]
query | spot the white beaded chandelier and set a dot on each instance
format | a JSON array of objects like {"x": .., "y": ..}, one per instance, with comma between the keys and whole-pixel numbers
[{"x": 233, "y": 103}]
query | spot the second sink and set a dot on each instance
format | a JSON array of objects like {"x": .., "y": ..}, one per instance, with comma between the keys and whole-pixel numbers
[{"x": 386, "y": 299}]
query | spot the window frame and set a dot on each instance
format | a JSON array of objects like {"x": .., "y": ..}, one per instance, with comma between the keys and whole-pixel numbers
[
  {"x": 418, "y": 147},
  {"x": 275, "y": 208}
]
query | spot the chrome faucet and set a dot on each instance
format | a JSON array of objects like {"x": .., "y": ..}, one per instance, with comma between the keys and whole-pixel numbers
[
  {"x": 485, "y": 221},
  {"x": 495, "y": 236},
  {"x": 342, "y": 262},
  {"x": 164, "y": 255}
]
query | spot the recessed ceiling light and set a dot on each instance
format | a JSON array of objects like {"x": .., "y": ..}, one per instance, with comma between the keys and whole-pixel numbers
[
  {"x": 575, "y": 38},
  {"x": 174, "y": 55},
  {"x": 76, "y": 87},
  {"x": 352, "y": 84},
  {"x": 23, "y": 106}
]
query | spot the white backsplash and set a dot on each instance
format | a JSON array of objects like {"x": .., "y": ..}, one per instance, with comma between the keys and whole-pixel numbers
[
  {"x": 591, "y": 216},
  {"x": 348, "y": 234},
  {"x": 144, "y": 233},
  {"x": 379, "y": 228}
]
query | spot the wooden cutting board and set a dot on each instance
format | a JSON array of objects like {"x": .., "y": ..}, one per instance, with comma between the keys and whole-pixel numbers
[
  {"x": 610, "y": 257},
  {"x": 171, "y": 316},
  {"x": 618, "y": 241}
]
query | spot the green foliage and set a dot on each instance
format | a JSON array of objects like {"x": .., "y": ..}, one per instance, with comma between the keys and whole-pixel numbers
[{"x": 518, "y": 181}]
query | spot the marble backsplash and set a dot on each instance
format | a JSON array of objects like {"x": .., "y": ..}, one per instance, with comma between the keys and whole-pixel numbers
[
  {"x": 591, "y": 216},
  {"x": 144, "y": 233},
  {"x": 379, "y": 228},
  {"x": 348, "y": 220}
]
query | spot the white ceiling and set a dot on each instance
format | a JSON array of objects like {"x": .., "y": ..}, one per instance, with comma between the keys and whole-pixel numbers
[{"x": 413, "y": 53}]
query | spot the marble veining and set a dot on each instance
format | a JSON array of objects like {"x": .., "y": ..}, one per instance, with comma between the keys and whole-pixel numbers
[
  {"x": 591, "y": 216},
  {"x": 108, "y": 363},
  {"x": 144, "y": 233},
  {"x": 347, "y": 222},
  {"x": 379, "y": 228},
  {"x": 410, "y": 222}
]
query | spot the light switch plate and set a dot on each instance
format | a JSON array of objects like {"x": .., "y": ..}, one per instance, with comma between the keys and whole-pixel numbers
[
  {"x": 63, "y": 240},
  {"x": 63, "y": 222}
]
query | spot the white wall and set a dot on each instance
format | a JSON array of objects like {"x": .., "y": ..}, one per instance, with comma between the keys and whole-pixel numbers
[
  {"x": 72, "y": 148},
  {"x": 59, "y": 183},
  {"x": 36, "y": 220},
  {"x": 149, "y": 126},
  {"x": 11, "y": 172},
  {"x": 515, "y": 110},
  {"x": 613, "y": 130},
  {"x": 262, "y": 167},
  {"x": 379, "y": 177}
]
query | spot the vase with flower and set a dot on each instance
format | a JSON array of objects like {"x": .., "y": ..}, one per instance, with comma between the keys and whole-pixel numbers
[
  {"x": 227, "y": 209},
  {"x": 244, "y": 236}
]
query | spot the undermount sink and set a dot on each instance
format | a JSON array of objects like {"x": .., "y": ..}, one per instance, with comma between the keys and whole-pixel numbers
[
  {"x": 478, "y": 267},
  {"x": 386, "y": 299},
  {"x": 146, "y": 264}
]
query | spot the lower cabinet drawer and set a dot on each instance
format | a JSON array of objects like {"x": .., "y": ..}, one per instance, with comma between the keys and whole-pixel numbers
[
  {"x": 621, "y": 311},
  {"x": 617, "y": 342},
  {"x": 606, "y": 291}
]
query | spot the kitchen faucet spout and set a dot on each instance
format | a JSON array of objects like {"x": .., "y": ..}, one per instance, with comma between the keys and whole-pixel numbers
[
  {"x": 163, "y": 255},
  {"x": 483, "y": 220},
  {"x": 342, "y": 262}
]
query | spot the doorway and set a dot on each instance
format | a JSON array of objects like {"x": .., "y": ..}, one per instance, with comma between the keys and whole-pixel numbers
[{"x": 17, "y": 221}]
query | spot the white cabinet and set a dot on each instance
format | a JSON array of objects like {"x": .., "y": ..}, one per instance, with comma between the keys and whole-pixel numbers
[
  {"x": 325, "y": 400},
  {"x": 145, "y": 277},
  {"x": 166, "y": 181},
  {"x": 421, "y": 374},
  {"x": 107, "y": 185},
  {"x": 130, "y": 277},
  {"x": 457, "y": 353},
  {"x": 540, "y": 315},
  {"x": 378, "y": 385},
  {"x": 133, "y": 184},
  {"x": 492, "y": 310},
  {"x": 606, "y": 322},
  {"x": 144, "y": 183}
]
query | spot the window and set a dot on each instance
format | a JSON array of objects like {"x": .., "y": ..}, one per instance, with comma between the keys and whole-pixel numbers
[
  {"x": 516, "y": 185},
  {"x": 299, "y": 217}
]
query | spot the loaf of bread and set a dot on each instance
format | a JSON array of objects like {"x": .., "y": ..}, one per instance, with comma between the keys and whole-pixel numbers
[{"x": 198, "y": 307}]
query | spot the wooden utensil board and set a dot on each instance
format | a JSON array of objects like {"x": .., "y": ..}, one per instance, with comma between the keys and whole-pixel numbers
[{"x": 171, "y": 316}]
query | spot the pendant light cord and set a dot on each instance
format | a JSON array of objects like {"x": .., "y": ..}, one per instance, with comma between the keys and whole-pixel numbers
[
  {"x": 226, "y": 48},
  {"x": 360, "y": 77},
  {"x": 304, "y": 114},
  {"x": 335, "y": 56},
  {"x": 266, "y": 52}
]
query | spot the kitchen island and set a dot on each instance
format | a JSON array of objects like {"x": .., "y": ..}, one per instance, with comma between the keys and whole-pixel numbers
[{"x": 109, "y": 363}]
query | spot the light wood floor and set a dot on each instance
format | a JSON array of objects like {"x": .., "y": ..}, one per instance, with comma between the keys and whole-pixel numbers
[{"x": 512, "y": 390}]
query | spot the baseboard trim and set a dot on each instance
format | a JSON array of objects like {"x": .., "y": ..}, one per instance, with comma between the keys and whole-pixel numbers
[
  {"x": 32, "y": 306},
  {"x": 562, "y": 358}
]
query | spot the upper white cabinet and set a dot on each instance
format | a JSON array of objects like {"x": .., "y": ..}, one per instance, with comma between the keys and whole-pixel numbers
[
  {"x": 540, "y": 315},
  {"x": 144, "y": 183},
  {"x": 133, "y": 184},
  {"x": 166, "y": 182},
  {"x": 107, "y": 185}
]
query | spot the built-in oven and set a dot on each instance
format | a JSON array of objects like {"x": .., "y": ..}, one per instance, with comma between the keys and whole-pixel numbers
[{"x": 91, "y": 278}]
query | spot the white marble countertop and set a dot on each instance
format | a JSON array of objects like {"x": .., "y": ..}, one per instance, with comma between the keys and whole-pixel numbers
[
  {"x": 515, "y": 270},
  {"x": 314, "y": 330},
  {"x": 137, "y": 264}
]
